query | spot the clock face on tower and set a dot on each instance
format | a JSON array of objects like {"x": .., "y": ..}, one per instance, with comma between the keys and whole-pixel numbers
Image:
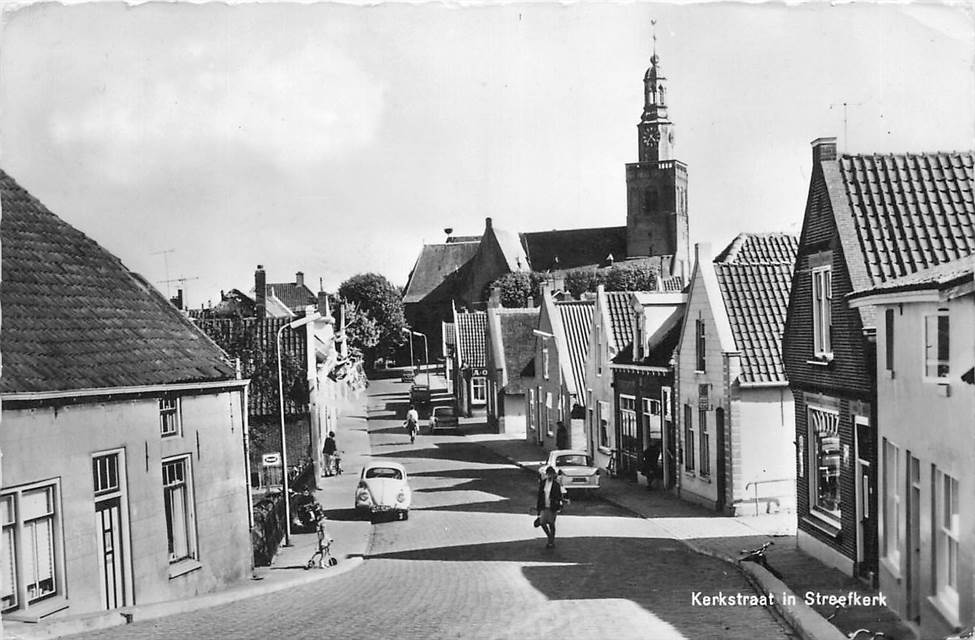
[{"x": 650, "y": 137}]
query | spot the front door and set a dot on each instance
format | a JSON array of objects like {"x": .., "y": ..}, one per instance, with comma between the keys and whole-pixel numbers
[
  {"x": 108, "y": 522},
  {"x": 866, "y": 519}
]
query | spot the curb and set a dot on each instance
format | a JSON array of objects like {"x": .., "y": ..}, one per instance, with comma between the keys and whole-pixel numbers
[
  {"x": 128, "y": 615},
  {"x": 803, "y": 619}
]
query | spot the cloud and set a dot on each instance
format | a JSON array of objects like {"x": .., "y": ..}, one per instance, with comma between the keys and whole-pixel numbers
[{"x": 297, "y": 108}]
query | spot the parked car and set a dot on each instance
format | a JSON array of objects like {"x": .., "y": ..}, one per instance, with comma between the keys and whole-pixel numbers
[
  {"x": 408, "y": 375},
  {"x": 420, "y": 395},
  {"x": 383, "y": 489},
  {"x": 575, "y": 468},
  {"x": 443, "y": 419}
]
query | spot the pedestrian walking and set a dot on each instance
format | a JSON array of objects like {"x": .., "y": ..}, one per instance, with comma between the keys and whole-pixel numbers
[
  {"x": 561, "y": 436},
  {"x": 412, "y": 423},
  {"x": 651, "y": 457},
  {"x": 328, "y": 451},
  {"x": 549, "y": 504}
]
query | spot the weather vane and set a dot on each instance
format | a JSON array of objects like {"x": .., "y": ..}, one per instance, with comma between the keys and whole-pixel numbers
[{"x": 653, "y": 37}]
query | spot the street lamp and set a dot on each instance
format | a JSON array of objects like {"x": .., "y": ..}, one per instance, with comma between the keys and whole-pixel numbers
[
  {"x": 284, "y": 449},
  {"x": 412, "y": 359},
  {"x": 426, "y": 351}
]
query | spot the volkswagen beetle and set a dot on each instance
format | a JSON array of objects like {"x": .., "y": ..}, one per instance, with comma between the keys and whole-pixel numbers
[{"x": 383, "y": 489}]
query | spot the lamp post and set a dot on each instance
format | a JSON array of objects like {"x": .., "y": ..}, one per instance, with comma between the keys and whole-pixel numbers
[
  {"x": 426, "y": 353},
  {"x": 284, "y": 449},
  {"x": 412, "y": 359}
]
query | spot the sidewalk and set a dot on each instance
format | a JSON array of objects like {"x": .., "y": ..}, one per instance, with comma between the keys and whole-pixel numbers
[
  {"x": 725, "y": 537},
  {"x": 352, "y": 539}
]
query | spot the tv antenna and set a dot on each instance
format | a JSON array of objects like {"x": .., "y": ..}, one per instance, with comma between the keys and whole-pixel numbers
[
  {"x": 845, "y": 105},
  {"x": 165, "y": 254},
  {"x": 181, "y": 281}
]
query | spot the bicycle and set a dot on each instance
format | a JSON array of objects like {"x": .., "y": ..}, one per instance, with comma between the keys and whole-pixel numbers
[
  {"x": 758, "y": 556},
  {"x": 877, "y": 635},
  {"x": 963, "y": 635},
  {"x": 323, "y": 557}
]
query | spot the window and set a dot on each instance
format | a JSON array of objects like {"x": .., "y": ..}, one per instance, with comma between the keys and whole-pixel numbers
[
  {"x": 602, "y": 410},
  {"x": 599, "y": 351},
  {"x": 825, "y": 469},
  {"x": 531, "y": 409},
  {"x": 478, "y": 390},
  {"x": 30, "y": 546},
  {"x": 545, "y": 361},
  {"x": 169, "y": 419},
  {"x": 651, "y": 418},
  {"x": 180, "y": 529},
  {"x": 629, "y": 439},
  {"x": 705, "y": 442},
  {"x": 688, "y": 439},
  {"x": 822, "y": 316},
  {"x": 889, "y": 338},
  {"x": 104, "y": 470},
  {"x": 936, "y": 345},
  {"x": 700, "y": 345},
  {"x": 892, "y": 504},
  {"x": 946, "y": 534}
]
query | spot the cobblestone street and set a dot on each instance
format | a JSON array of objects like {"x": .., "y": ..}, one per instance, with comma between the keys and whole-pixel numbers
[{"x": 468, "y": 564}]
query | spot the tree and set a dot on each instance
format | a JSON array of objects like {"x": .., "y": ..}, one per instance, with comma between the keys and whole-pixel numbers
[
  {"x": 379, "y": 316},
  {"x": 581, "y": 281},
  {"x": 516, "y": 287},
  {"x": 638, "y": 277}
]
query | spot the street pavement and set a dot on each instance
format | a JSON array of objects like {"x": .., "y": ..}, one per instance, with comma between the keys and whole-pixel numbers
[{"x": 468, "y": 564}]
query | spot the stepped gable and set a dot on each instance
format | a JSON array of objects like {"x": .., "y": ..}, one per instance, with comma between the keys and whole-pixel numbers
[{"x": 74, "y": 317}]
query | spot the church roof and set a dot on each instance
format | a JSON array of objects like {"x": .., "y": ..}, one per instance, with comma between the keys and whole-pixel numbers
[
  {"x": 438, "y": 271},
  {"x": 571, "y": 248}
]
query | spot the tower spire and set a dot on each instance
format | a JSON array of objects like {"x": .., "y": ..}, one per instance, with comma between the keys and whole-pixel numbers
[{"x": 653, "y": 39}]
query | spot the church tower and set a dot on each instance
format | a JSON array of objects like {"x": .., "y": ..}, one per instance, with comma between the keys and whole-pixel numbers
[{"x": 656, "y": 186}]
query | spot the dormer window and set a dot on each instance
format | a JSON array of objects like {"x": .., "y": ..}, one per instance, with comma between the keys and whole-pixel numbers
[
  {"x": 822, "y": 290},
  {"x": 700, "y": 345}
]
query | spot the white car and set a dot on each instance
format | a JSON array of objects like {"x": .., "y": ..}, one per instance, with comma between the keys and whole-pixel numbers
[
  {"x": 575, "y": 469},
  {"x": 383, "y": 489}
]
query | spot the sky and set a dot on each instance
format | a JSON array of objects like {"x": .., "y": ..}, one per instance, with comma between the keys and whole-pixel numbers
[{"x": 197, "y": 141}]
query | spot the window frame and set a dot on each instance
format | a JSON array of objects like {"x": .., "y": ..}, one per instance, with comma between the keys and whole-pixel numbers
[
  {"x": 941, "y": 376},
  {"x": 700, "y": 346},
  {"x": 15, "y": 532},
  {"x": 889, "y": 339},
  {"x": 175, "y": 411},
  {"x": 629, "y": 423},
  {"x": 189, "y": 510},
  {"x": 688, "y": 447},
  {"x": 479, "y": 392},
  {"x": 893, "y": 506},
  {"x": 704, "y": 466},
  {"x": 602, "y": 410},
  {"x": 822, "y": 313},
  {"x": 946, "y": 541},
  {"x": 833, "y": 517}
]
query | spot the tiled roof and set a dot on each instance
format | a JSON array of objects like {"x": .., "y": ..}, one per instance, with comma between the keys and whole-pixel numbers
[
  {"x": 294, "y": 297},
  {"x": 756, "y": 298},
  {"x": 576, "y": 318},
  {"x": 620, "y": 312},
  {"x": 74, "y": 317},
  {"x": 760, "y": 247},
  {"x": 573, "y": 247},
  {"x": 518, "y": 343},
  {"x": 438, "y": 273},
  {"x": 470, "y": 334},
  {"x": 910, "y": 211},
  {"x": 945, "y": 274}
]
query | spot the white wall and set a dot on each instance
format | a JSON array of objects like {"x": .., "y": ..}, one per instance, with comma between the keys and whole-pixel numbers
[
  {"x": 47, "y": 443},
  {"x": 764, "y": 421}
]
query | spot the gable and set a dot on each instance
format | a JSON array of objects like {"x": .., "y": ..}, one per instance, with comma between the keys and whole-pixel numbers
[{"x": 438, "y": 273}]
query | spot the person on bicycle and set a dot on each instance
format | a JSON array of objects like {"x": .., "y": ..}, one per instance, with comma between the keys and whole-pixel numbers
[{"x": 412, "y": 423}]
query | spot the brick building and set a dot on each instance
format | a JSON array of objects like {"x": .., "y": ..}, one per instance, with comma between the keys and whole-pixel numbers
[{"x": 868, "y": 219}]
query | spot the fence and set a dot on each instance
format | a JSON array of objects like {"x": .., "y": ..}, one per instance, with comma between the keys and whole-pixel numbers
[{"x": 269, "y": 519}]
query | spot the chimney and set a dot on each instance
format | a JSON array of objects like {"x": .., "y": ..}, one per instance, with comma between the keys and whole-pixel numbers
[
  {"x": 177, "y": 300},
  {"x": 702, "y": 252},
  {"x": 487, "y": 223},
  {"x": 823, "y": 149},
  {"x": 260, "y": 292},
  {"x": 299, "y": 279}
]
